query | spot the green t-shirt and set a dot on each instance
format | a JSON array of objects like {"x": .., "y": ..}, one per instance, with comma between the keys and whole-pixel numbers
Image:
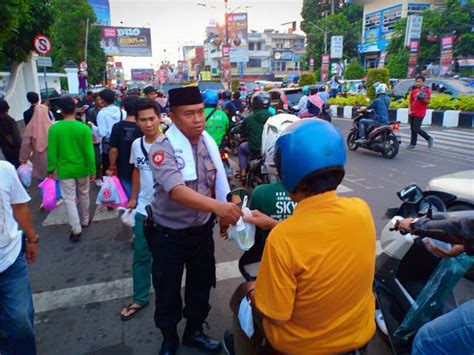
[
  {"x": 273, "y": 200},
  {"x": 217, "y": 125},
  {"x": 70, "y": 150}
]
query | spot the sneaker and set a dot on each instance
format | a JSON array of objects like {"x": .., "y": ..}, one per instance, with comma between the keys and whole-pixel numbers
[
  {"x": 229, "y": 343},
  {"x": 430, "y": 142},
  {"x": 410, "y": 147}
]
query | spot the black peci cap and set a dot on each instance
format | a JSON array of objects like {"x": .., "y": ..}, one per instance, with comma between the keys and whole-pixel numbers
[
  {"x": 149, "y": 90},
  {"x": 185, "y": 96}
]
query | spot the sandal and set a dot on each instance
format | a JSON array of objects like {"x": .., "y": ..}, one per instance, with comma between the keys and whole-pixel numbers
[
  {"x": 135, "y": 310},
  {"x": 74, "y": 237}
]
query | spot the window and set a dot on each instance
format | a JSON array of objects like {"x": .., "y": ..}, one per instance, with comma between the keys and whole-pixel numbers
[
  {"x": 372, "y": 21},
  {"x": 414, "y": 9},
  {"x": 251, "y": 46},
  {"x": 254, "y": 63},
  {"x": 390, "y": 17},
  {"x": 259, "y": 46}
]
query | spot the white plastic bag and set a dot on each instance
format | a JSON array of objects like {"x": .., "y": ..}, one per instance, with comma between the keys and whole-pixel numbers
[
  {"x": 243, "y": 233},
  {"x": 24, "y": 173},
  {"x": 128, "y": 217},
  {"x": 246, "y": 318}
]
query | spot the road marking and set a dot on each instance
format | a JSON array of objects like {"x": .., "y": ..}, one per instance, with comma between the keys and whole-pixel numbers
[
  {"x": 343, "y": 189},
  {"x": 55, "y": 217},
  {"x": 107, "y": 291}
]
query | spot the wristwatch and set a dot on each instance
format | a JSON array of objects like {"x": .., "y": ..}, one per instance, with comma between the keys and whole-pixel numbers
[{"x": 33, "y": 241}]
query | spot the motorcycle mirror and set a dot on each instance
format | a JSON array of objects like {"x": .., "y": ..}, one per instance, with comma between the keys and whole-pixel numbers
[
  {"x": 237, "y": 196},
  {"x": 411, "y": 194}
]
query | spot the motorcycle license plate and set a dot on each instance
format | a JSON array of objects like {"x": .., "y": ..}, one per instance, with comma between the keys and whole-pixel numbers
[{"x": 264, "y": 169}]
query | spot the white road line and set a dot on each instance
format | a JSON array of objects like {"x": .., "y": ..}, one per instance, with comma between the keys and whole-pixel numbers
[
  {"x": 437, "y": 135},
  {"x": 447, "y": 145},
  {"x": 108, "y": 291},
  {"x": 343, "y": 189},
  {"x": 457, "y": 133}
]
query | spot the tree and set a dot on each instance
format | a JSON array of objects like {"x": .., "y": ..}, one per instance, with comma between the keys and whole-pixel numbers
[
  {"x": 381, "y": 75},
  {"x": 307, "y": 79},
  {"x": 453, "y": 18},
  {"x": 21, "y": 21},
  {"x": 347, "y": 22},
  {"x": 354, "y": 70},
  {"x": 68, "y": 34}
]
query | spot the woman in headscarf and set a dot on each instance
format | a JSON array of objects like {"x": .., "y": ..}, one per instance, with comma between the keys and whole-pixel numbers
[
  {"x": 10, "y": 138},
  {"x": 35, "y": 141}
]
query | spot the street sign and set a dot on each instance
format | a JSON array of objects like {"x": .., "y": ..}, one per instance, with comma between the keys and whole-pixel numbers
[
  {"x": 44, "y": 62},
  {"x": 336, "y": 46},
  {"x": 42, "y": 44}
]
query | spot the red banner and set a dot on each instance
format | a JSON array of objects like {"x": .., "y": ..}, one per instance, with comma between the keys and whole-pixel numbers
[
  {"x": 447, "y": 42},
  {"x": 413, "y": 57},
  {"x": 325, "y": 67}
]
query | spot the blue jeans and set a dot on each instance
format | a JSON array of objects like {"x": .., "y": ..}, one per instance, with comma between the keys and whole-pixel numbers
[
  {"x": 244, "y": 155},
  {"x": 451, "y": 333},
  {"x": 363, "y": 125},
  {"x": 16, "y": 309}
]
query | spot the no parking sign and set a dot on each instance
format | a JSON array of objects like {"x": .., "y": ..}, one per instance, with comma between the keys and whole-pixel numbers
[{"x": 42, "y": 44}]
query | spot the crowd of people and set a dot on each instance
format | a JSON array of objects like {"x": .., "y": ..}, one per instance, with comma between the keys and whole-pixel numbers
[{"x": 313, "y": 293}]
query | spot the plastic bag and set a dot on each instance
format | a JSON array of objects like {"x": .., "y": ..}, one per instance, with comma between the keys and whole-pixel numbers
[
  {"x": 49, "y": 194},
  {"x": 246, "y": 318},
  {"x": 431, "y": 298},
  {"x": 24, "y": 173},
  {"x": 128, "y": 217},
  {"x": 243, "y": 233},
  {"x": 111, "y": 193}
]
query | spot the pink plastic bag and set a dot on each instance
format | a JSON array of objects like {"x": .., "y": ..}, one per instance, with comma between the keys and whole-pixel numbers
[
  {"x": 49, "y": 194},
  {"x": 112, "y": 194}
]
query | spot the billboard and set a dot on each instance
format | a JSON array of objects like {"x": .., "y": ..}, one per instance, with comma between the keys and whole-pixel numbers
[
  {"x": 238, "y": 37},
  {"x": 126, "y": 41},
  {"x": 102, "y": 11},
  {"x": 142, "y": 74},
  {"x": 447, "y": 42}
]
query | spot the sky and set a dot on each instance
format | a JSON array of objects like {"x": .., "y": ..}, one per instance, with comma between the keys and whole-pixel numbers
[{"x": 174, "y": 23}]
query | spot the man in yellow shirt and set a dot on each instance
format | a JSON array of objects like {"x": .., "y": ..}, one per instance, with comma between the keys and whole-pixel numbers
[{"x": 314, "y": 286}]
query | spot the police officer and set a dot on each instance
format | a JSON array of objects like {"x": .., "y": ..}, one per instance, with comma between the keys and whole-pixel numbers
[{"x": 183, "y": 216}]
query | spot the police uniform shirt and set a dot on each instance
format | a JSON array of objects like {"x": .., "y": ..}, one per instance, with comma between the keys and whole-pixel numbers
[{"x": 166, "y": 176}]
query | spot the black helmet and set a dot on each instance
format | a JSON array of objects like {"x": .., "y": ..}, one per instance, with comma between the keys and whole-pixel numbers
[
  {"x": 226, "y": 95},
  {"x": 261, "y": 100}
]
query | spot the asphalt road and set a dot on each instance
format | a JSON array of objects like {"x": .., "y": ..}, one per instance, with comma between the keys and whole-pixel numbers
[{"x": 79, "y": 289}]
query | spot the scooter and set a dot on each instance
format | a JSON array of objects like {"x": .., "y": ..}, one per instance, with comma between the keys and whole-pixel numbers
[
  {"x": 381, "y": 138},
  {"x": 406, "y": 268}
]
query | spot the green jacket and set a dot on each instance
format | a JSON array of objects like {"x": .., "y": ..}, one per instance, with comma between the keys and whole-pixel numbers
[
  {"x": 70, "y": 150},
  {"x": 252, "y": 127},
  {"x": 217, "y": 125}
]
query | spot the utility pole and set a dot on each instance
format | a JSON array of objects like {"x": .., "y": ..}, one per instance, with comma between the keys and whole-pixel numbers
[
  {"x": 87, "y": 40},
  {"x": 332, "y": 7},
  {"x": 326, "y": 33}
]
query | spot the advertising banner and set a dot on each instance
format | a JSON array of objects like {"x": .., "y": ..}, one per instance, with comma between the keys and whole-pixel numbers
[
  {"x": 413, "y": 57},
  {"x": 102, "y": 11},
  {"x": 142, "y": 74},
  {"x": 325, "y": 67},
  {"x": 126, "y": 41},
  {"x": 413, "y": 29},
  {"x": 238, "y": 37},
  {"x": 447, "y": 42},
  {"x": 337, "y": 46}
]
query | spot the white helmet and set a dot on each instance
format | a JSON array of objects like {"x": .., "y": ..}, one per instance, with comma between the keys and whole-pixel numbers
[
  {"x": 272, "y": 129},
  {"x": 381, "y": 89}
]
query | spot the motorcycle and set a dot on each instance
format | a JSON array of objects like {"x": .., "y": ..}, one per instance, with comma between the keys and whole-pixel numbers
[
  {"x": 381, "y": 138},
  {"x": 406, "y": 269},
  {"x": 324, "y": 114}
]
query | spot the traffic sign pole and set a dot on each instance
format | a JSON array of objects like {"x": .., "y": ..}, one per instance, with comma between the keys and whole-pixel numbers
[
  {"x": 43, "y": 46},
  {"x": 46, "y": 82}
]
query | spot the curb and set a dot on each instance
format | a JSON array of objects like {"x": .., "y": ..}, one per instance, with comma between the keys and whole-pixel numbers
[{"x": 449, "y": 118}]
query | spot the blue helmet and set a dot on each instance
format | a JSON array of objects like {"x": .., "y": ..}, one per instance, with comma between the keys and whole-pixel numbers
[
  {"x": 305, "y": 90},
  {"x": 210, "y": 98},
  {"x": 305, "y": 147}
]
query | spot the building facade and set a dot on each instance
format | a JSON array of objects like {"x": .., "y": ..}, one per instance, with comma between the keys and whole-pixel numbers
[{"x": 378, "y": 25}]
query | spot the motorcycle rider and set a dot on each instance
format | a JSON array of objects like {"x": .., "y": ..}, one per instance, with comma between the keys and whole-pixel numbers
[
  {"x": 226, "y": 100},
  {"x": 313, "y": 292},
  {"x": 380, "y": 106},
  {"x": 453, "y": 332},
  {"x": 301, "y": 109},
  {"x": 252, "y": 127},
  {"x": 217, "y": 122},
  {"x": 315, "y": 103},
  {"x": 323, "y": 94}
]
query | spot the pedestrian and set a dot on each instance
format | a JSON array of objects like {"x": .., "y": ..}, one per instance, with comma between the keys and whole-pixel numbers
[
  {"x": 10, "y": 138},
  {"x": 313, "y": 294},
  {"x": 106, "y": 118},
  {"x": 151, "y": 93},
  {"x": 35, "y": 141},
  {"x": 148, "y": 120},
  {"x": 162, "y": 101},
  {"x": 16, "y": 303},
  {"x": 418, "y": 104},
  {"x": 121, "y": 139},
  {"x": 334, "y": 85},
  {"x": 430, "y": 68},
  {"x": 190, "y": 190},
  {"x": 71, "y": 155},
  {"x": 82, "y": 77},
  {"x": 33, "y": 99},
  {"x": 91, "y": 116}
]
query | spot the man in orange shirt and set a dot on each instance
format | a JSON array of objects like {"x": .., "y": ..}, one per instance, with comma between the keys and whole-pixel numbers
[{"x": 313, "y": 293}]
